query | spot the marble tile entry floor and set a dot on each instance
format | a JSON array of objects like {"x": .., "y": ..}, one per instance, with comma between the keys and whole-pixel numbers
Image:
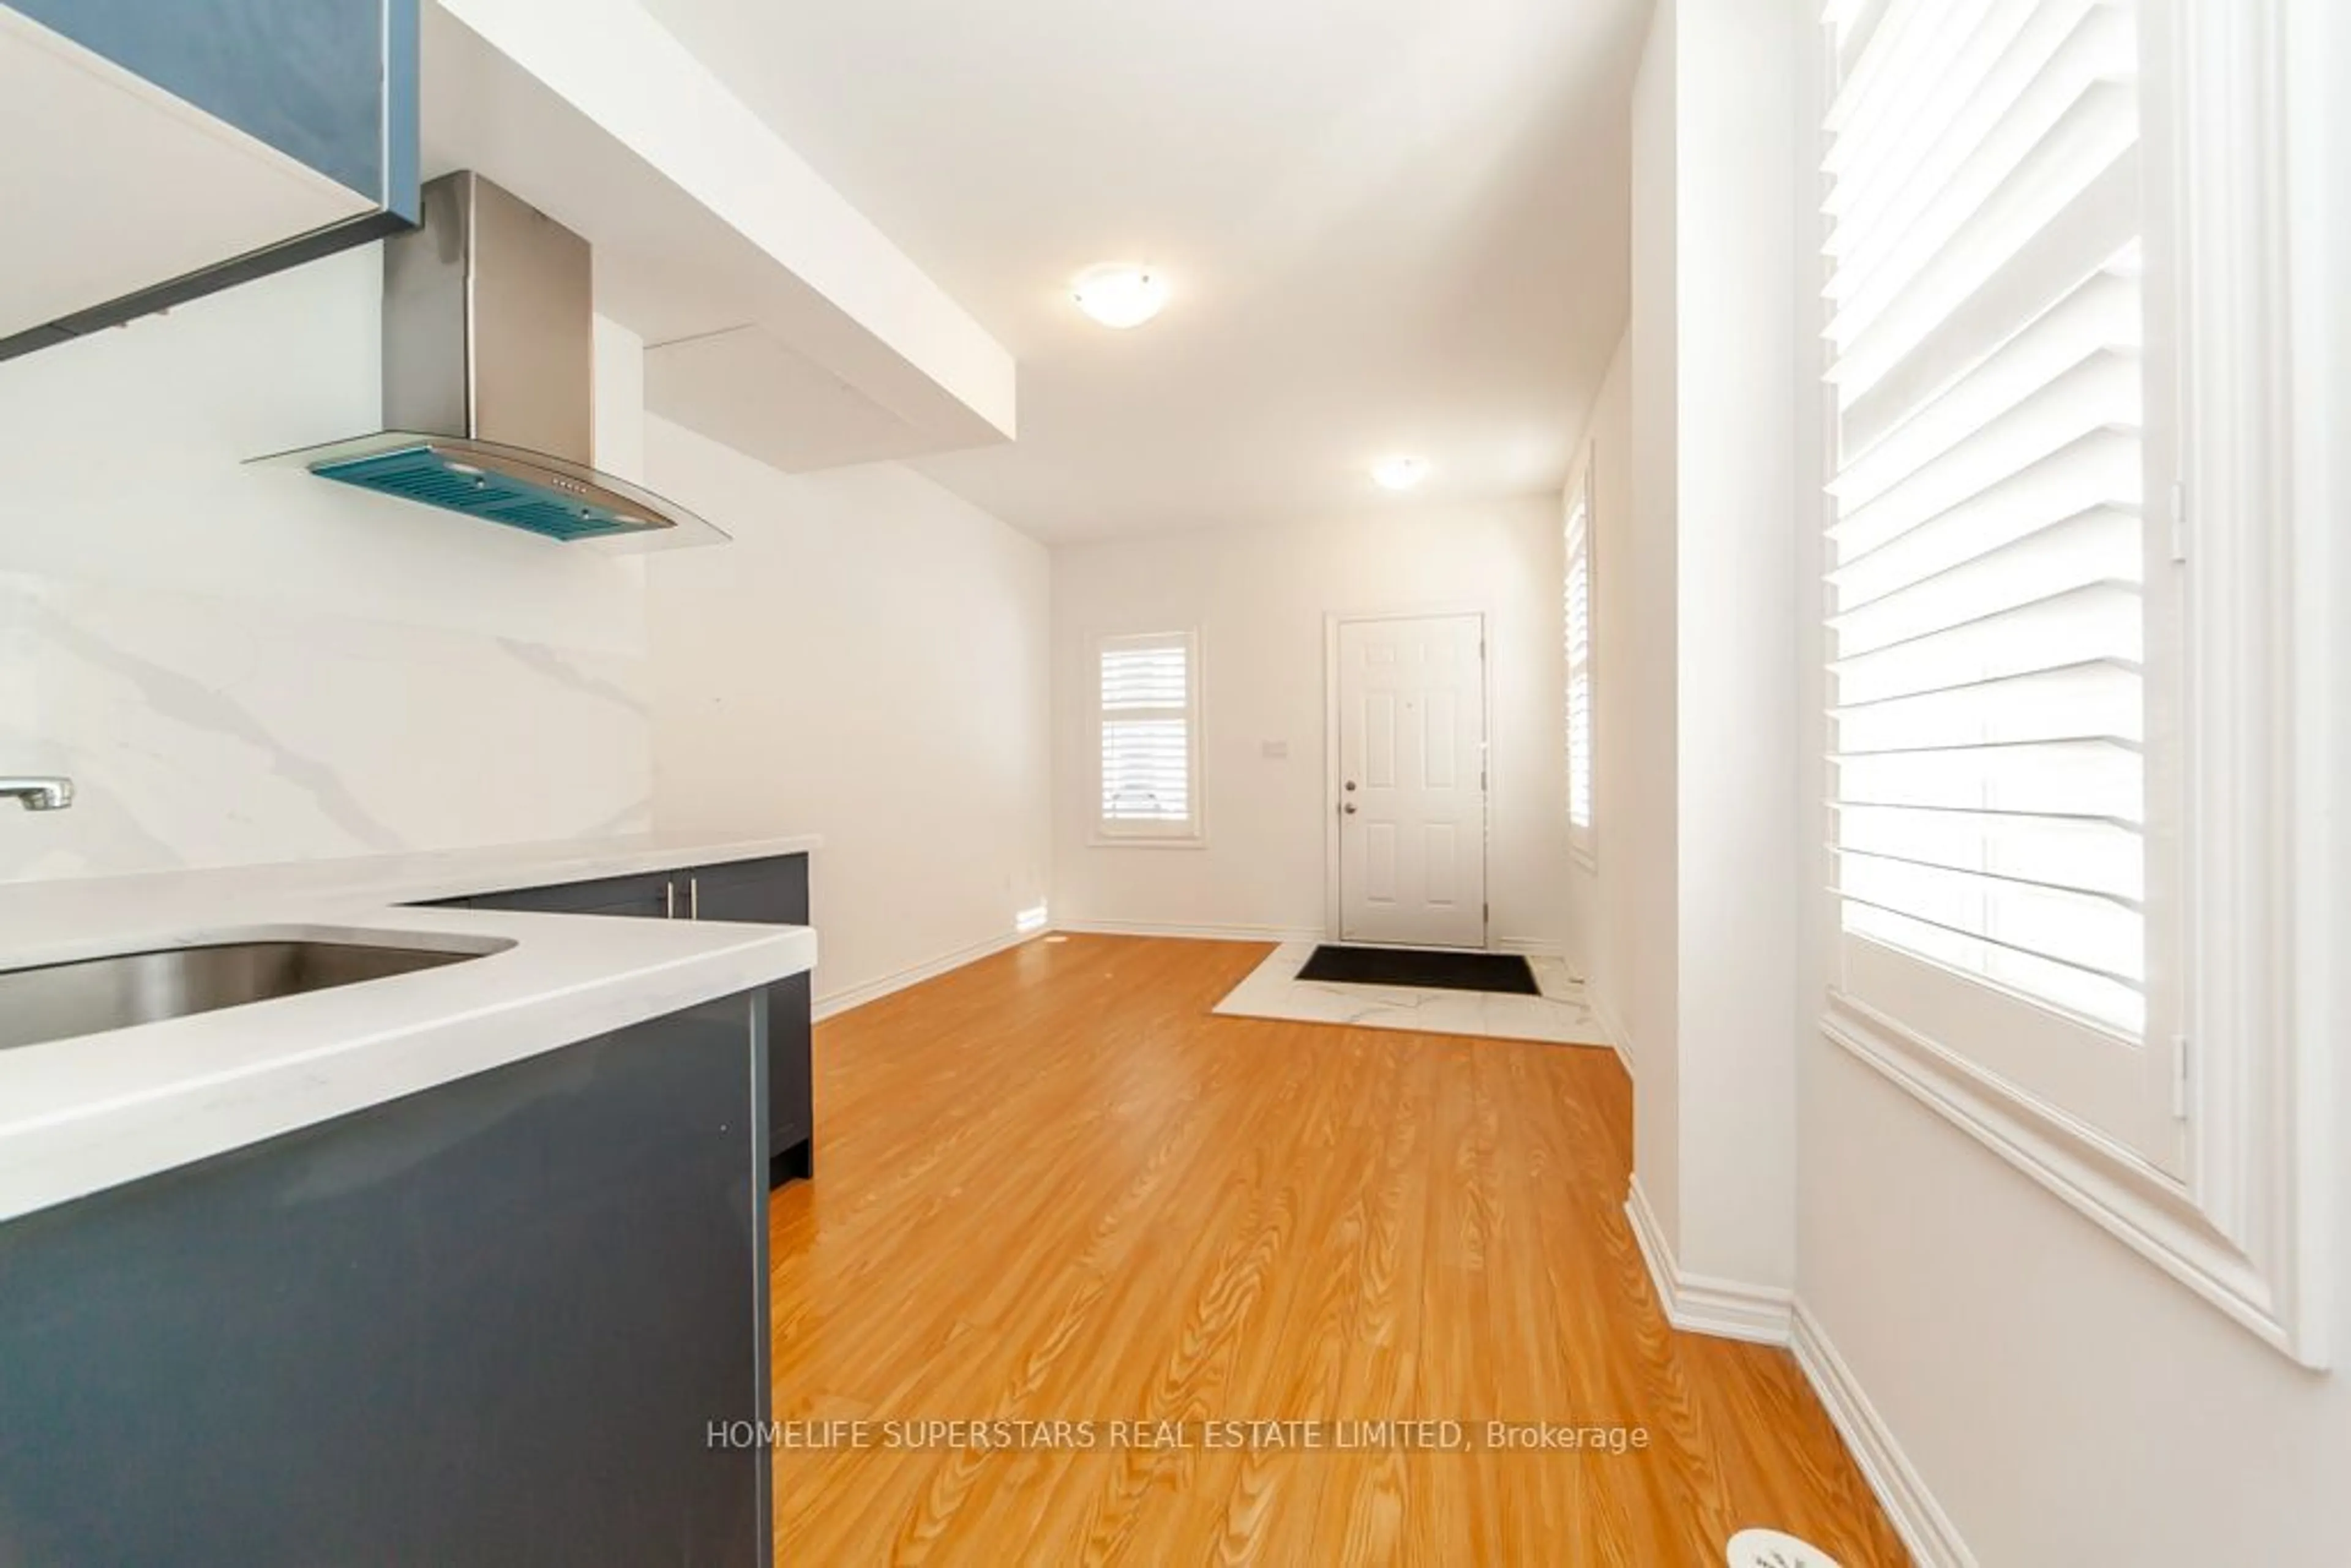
[{"x": 1560, "y": 1016}]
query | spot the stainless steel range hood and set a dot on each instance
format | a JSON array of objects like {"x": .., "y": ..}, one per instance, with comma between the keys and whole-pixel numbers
[{"x": 488, "y": 379}]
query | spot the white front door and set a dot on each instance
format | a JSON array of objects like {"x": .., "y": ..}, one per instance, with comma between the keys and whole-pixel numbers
[{"x": 1412, "y": 780}]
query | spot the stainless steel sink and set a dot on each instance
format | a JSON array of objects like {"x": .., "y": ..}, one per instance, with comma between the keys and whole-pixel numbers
[{"x": 88, "y": 996}]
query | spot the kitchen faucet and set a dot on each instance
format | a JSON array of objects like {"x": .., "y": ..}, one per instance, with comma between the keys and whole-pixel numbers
[{"x": 39, "y": 794}]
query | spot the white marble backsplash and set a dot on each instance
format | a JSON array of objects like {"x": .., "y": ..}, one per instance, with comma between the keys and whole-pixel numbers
[{"x": 206, "y": 730}]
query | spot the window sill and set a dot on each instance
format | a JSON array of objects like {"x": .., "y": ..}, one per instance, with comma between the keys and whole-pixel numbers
[
  {"x": 2147, "y": 1210},
  {"x": 1145, "y": 841}
]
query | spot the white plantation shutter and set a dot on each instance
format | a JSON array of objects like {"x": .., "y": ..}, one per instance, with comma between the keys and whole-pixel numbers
[
  {"x": 1147, "y": 707},
  {"x": 1577, "y": 621},
  {"x": 1988, "y": 546}
]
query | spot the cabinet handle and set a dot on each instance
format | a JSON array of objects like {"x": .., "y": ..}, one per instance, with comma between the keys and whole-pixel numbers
[
  {"x": 694, "y": 897},
  {"x": 669, "y": 901}
]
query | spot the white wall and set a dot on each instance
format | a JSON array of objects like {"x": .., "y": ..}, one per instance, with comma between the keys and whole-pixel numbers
[
  {"x": 1735, "y": 704},
  {"x": 866, "y": 661},
  {"x": 1696, "y": 953},
  {"x": 1259, "y": 598},
  {"x": 2064, "y": 1400},
  {"x": 1643, "y": 848},
  {"x": 242, "y": 665}
]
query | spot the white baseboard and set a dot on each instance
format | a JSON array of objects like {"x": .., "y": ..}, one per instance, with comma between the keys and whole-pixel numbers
[
  {"x": 841, "y": 1001},
  {"x": 1761, "y": 1314},
  {"x": 1528, "y": 948},
  {"x": 1613, "y": 1026},
  {"x": 1191, "y": 933},
  {"x": 1767, "y": 1315},
  {"x": 1921, "y": 1522}
]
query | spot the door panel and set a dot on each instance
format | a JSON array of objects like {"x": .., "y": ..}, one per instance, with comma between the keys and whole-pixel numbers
[
  {"x": 771, "y": 891},
  {"x": 1380, "y": 862},
  {"x": 1438, "y": 718},
  {"x": 1444, "y": 849},
  {"x": 646, "y": 897},
  {"x": 1412, "y": 802},
  {"x": 1379, "y": 741}
]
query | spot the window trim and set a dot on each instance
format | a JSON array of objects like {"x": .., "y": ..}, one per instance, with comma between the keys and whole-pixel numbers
[
  {"x": 1103, "y": 835},
  {"x": 2243, "y": 1226},
  {"x": 1582, "y": 840}
]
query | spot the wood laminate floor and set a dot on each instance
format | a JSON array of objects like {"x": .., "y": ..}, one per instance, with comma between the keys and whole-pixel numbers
[{"x": 1052, "y": 1187}]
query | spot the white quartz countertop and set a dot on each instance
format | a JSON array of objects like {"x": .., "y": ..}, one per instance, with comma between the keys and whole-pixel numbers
[{"x": 82, "y": 1114}]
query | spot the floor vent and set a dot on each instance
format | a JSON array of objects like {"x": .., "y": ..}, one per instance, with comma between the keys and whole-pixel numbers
[{"x": 1771, "y": 1549}]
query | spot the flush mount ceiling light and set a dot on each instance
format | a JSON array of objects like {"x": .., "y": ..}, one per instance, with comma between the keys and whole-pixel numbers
[
  {"x": 1118, "y": 294},
  {"x": 1399, "y": 472}
]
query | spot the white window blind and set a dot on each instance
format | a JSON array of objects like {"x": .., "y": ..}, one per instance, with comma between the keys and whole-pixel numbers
[
  {"x": 1987, "y": 543},
  {"x": 1148, "y": 708},
  {"x": 1577, "y": 621}
]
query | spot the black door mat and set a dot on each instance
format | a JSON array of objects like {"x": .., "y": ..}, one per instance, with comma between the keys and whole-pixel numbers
[{"x": 1505, "y": 972}]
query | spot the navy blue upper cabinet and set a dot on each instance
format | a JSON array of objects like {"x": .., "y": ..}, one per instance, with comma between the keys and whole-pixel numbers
[{"x": 151, "y": 151}]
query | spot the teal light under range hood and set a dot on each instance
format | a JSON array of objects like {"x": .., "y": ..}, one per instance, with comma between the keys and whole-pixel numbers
[
  {"x": 488, "y": 367},
  {"x": 551, "y": 505}
]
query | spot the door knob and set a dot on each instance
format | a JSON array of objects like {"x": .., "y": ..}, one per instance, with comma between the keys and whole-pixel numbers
[
  {"x": 1349, "y": 808},
  {"x": 1351, "y": 783}
]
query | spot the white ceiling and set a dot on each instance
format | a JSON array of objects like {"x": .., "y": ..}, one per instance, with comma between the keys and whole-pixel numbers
[{"x": 1387, "y": 225}]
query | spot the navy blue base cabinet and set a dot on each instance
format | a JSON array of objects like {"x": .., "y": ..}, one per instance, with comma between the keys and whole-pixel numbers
[
  {"x": 770, "y": 892},
  {"x": 492, "y": 1323}
]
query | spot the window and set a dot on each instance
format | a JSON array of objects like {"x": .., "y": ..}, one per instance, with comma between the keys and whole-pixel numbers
[
  {"x": 2077, "y": 614},
  {"x": 1990, "y": 558},
  {"x": 1147, "y": 713},
  {"x": 1577, "y": 623}
]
